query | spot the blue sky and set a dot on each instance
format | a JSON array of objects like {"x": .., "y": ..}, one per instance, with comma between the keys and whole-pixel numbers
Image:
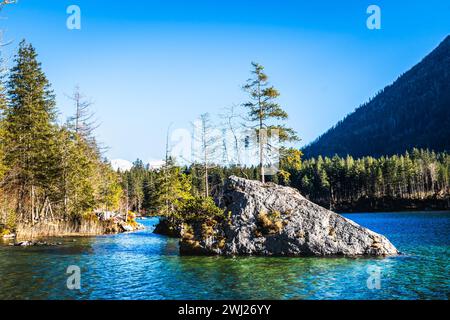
[{"x": 149, "y": 63}]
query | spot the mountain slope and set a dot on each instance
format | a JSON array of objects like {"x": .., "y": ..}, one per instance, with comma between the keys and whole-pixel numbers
[{"x": 412, "y": 112}]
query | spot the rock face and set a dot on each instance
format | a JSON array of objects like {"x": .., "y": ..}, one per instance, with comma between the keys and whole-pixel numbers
[{"x": 268, "y": 219}]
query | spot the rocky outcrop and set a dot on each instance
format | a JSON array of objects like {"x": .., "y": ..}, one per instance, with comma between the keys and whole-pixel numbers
[{"x": 268, "y": 219}]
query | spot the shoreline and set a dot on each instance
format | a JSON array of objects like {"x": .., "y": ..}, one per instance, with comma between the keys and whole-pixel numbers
[
  {"x": 69, "y": 229},
  {"x": 8, "y": 238}
]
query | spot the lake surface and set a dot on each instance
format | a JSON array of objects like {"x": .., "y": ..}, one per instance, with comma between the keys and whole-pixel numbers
[{"x": 143, "y": 265}]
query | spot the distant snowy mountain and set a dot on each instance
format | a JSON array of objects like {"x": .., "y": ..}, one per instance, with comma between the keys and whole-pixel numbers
[
  {"x": 125, "y": 165},
  {"x": 156, "y": 164},
  {"x": 121, "y": 164}
]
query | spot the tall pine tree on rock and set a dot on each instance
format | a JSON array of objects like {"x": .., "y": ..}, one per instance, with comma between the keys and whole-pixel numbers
[{"x": 263, "y": 110}]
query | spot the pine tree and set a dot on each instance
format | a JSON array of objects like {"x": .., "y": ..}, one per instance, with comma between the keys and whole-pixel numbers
[
  {"x": 149, "y": 189},
  {"x": 289, "y": 164},
  {"x": 262, "y": 111},
  {"x": 174, "y": 188},
  {"x": 135, "y": 185},
  {"x": 4, "y": 212},
  {"x": 77, "y": 165},
  {"x": 108, "y": 191},
  {"x": 3, "y": 106},
  {"x": 47, "y": 171},
  {"x": 29, "y": 144}
]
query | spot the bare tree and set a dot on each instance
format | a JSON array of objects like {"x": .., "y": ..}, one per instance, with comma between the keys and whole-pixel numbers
[
  {"x": 5, "y": 2},
  {"x": 207, "y": 140},
  {"x": 166, "y": 165},
  {"x": 234, "y": 124},
  {"x": 83, "y": 122},
  {"x": 2, "y": 44}
]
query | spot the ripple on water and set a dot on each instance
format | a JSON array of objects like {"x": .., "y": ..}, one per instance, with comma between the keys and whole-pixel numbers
[{"x": 144, "y": 265}]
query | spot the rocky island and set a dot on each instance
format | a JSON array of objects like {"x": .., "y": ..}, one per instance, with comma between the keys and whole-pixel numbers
[{"x": 272, "y": 220}]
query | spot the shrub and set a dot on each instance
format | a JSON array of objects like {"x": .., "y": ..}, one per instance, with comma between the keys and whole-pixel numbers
[
  {"x": 131, "y": 219},
  {"x": 208, "y": 228},
  {"x": 188, "y": 232},
  {"x": 200, "y": 208}
]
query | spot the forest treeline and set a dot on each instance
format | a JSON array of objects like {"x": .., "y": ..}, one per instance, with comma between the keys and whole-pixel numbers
[
  {"x": 48, "y": 171},
  {"x": 419, "y": 179},
  {"x": 414, "y": 180}
]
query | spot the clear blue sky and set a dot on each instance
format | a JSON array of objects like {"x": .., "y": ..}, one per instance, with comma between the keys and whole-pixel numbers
[{"x": 149, "y": 63}]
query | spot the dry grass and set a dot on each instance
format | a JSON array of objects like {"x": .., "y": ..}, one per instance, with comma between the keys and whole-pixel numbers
[
  {"x": 59, "y": 228},
  {"x": 269, "y": 223}
]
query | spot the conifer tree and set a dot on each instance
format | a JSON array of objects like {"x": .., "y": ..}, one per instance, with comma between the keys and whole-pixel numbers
[
  {"x": 263, "y": 110},
  {"x": 108, "y": 191},
  {"x": 77, "y": 165},
  {"x": 3, "y": 106},
  {"x": 29, "y": 144},
  {"x": 174, "y": 188}
]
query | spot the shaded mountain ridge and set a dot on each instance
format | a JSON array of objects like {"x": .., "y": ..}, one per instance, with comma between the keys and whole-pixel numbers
[{"x": 414, "y": 111}]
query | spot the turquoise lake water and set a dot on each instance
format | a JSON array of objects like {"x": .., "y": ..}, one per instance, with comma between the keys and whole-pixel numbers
[{"x": 143, "y": 265}]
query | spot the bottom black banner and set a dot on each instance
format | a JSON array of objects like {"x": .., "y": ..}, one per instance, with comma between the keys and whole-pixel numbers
[{"x": 205, "y": 309}]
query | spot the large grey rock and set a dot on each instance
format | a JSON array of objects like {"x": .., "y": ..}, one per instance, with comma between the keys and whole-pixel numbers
[{"x": 268, "y": 219}]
